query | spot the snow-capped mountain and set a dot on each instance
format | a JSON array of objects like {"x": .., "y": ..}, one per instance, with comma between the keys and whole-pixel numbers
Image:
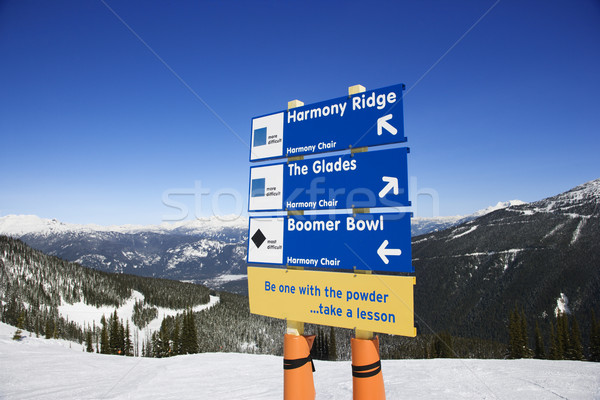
[
  {"x": 541, "y": 256},
  {"x": 20, "y": 225},
  {"x": 204, "y": 251},
  {"x": 423, "y": 225},
  {"x": 210, "y": 251}
]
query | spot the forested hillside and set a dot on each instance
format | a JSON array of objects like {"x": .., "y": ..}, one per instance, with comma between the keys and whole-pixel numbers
[
  {"x": 209, "y": 252},
  {"x": 33, "y": 286},
  {"x": 542, "y": 257}
]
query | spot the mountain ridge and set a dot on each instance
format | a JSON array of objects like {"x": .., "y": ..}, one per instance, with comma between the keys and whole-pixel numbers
[
  {"x": 534, "y": 254},
  {"x": 209, "y": 251},
  {"x": 20, "y": 224}
]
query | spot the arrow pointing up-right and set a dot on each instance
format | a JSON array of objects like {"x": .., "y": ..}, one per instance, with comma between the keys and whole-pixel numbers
[
  {"x": 392, "y": 184},
  {"x": 382, "y": 123}
]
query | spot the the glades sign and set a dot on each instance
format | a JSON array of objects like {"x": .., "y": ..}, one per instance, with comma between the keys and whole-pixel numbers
[{"x": 361, "y": 180}]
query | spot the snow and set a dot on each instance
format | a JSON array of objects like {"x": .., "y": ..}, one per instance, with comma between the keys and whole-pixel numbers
[
  {"x": 499, "y": 206},
  {"x": 57, "y": 369},
  {"x": 464, "y": 233},
  {"x": 587, "y": 193},
  {"x": 20, "y": 225},
  {"x": 562, "y": 305},
  {"x": 86, "y": 315},
  {"x": 229, "y": 278},
  {"x": 577, "y": 230},
  {"x": 440, "y": 219}
]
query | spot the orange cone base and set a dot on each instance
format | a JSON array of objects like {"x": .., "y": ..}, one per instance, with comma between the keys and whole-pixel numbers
[
  {"x": 298, "y": 383},
  {"x": 367, "y": 379}
]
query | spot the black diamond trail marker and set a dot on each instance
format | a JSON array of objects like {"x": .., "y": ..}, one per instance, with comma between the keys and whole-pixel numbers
[{"x": 258, "y": 238}]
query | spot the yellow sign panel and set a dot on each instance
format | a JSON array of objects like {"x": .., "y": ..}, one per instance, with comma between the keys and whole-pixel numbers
[{"x": 376, "y": 303}]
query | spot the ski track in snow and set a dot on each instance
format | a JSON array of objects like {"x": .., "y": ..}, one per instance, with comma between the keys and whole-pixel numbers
[
  {"x": 57, "y": 369},
  {"x": 577, "y": 231},
  {"x": 86, "y": 315},
  {"x": 471, "y": 229}
]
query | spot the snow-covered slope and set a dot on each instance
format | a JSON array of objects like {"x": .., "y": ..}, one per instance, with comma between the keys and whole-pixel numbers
[
  {"x": 86, "y": 315},
  {"x": 56, "y": 369}
]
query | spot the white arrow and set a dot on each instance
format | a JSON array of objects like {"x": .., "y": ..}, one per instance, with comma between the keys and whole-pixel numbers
[
  {"x": 392, "y": 184},
  {"x": 382, "y": 123},
  {"x": 383, "y": 251}
]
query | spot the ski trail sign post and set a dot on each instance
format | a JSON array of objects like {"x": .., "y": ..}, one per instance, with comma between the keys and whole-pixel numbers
[
  {"x": 332, "y": 158},
  {"x": 359, "y": 180},
  {"x": 372, "y": 242},
  {"x": 366, "y": 119}
]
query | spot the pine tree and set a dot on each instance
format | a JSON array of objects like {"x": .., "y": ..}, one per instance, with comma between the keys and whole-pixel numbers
[
  {"x": 442, "y": 346},
  {"x": 524, "y": 337},
  {"x": 89, "y": 341},
  {"x": 555, "y": 352},
  {"x": 540, "y": 351},
  {"x": 176, "y": 338},
  {"x": 18, "y": 335},
  {"x": 514, "y": 334},
  {"x": 563, "y": 335},
  {"x": 49, "y": 328},
  {"x": 332, "y": 345},
  {"x": 184, "y": 336},
  {"x": 576, "y": 350},
  {"x": 315, "y": 351},
  {"x": 595, "y": 339},
  {"x": 104, "y": 341},
  {"x": 161, "y": 341},
  {"x": 121, "y": 339},
  {"x": 193, "y": 334},
  {"x": 19, "y": 332},
  {"x": 128, "y": 348},
  {"x": 324, "y": 346},
  {"x": 113, "y": 340},
  {"x": 189, "y": 336}
]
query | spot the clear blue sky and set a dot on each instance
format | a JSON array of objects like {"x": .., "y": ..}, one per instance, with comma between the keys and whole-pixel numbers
[{"x": 502, "y": 100}]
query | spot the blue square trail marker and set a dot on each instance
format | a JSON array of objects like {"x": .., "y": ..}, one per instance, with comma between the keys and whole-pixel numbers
[
  {"x": 362, "y": 180},
  {"x": 260, "y": 137},
  {"x": 371, "y": 118}
]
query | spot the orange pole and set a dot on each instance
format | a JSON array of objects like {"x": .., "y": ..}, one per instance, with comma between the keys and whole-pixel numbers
[
  {"x": 367, "y": 379},
  {"x": 298, "y": 367}
]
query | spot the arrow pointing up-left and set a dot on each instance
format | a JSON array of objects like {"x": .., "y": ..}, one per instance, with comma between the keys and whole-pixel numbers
[{"x": 382, "y": 123}]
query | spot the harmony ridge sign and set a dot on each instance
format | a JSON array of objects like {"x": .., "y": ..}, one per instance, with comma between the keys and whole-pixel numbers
[
  {"x": 369, "y": 179},
  {"x": 371, "y": 118}
]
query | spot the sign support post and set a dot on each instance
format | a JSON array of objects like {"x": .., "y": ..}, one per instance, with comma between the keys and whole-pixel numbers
[
  {"x": 298, "y": 368},
  {"x": 367, "y": 378},
  {"x": 312, "y": 246}
]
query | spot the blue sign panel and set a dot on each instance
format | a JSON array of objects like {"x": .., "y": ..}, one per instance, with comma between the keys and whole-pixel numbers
[
  {"x": 376, "y": 242},
  {"x": 371, "y": 118},
  {"x": 362, "y": 180}
]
